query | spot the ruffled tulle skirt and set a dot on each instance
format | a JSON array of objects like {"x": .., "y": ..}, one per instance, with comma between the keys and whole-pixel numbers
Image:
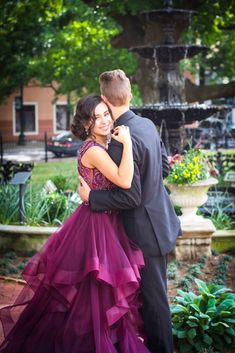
[{"x": 81, "y": 293}]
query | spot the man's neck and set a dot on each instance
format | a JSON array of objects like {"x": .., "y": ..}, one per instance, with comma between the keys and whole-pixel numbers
[{"x": 118, "y": 111}]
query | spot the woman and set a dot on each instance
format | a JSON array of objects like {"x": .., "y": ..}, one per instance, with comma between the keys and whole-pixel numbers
[{"x": 82, "y": 288}]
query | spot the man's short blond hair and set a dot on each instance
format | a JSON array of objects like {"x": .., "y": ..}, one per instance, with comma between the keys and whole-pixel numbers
[{"x": 116, "y": 87}]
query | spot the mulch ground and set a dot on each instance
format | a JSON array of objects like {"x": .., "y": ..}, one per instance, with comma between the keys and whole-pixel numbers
[
  {"x": 208, "y": 273},
  {"x": 11, "y": 285}
]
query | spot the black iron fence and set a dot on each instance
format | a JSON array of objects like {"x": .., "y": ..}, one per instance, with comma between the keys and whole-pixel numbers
[{"x": 221, "y": 161}]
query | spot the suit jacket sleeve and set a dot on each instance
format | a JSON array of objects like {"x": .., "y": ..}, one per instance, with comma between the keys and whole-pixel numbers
[
  {"x": 117, "y": 198},
  {"x": 165, "y": 163}
]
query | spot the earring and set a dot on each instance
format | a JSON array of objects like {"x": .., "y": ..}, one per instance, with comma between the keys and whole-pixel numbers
[{"x": 87, "y": 131}]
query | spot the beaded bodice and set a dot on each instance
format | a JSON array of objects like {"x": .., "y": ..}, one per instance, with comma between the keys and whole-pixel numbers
[{"x": 92, "y": 176}]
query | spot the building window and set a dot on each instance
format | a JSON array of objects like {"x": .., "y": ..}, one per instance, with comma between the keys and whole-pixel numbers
[
  {"x": 29, "y": 111},
  {"x": 61, "y": 117}
]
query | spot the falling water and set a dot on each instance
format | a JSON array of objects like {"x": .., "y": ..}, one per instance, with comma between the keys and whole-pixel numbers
[{"x": 172, "y": 111}]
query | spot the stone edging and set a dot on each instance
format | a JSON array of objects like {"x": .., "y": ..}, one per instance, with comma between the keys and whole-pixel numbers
[
  {"x": 19, "y": 237},
  {"x": 27, "y": 230}
]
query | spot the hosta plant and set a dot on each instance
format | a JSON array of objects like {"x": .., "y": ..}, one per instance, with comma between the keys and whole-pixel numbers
[{"x": 204, "y": 321}]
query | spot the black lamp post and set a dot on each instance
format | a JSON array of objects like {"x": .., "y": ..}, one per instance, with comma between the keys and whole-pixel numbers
[{"x": 20, "y": 108}]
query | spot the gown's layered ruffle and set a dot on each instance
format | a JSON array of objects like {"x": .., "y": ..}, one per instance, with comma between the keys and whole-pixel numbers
[{"x": 81, "y": 294}]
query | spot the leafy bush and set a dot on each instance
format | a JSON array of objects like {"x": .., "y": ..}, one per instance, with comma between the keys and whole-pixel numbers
[
  {"x": 219, "y": 216},
  {"x": 221, "y": 271},
  {"x": 9, "y": 204},
  {"x": 221, "y": 219},
  {"x": 205, "y": 321},
  {"x": 60, "y": 182},
  {"x": 56, "y": 204}
]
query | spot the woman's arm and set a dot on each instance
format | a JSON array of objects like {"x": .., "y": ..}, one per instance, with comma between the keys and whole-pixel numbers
[{"x": 96, "y": 157}]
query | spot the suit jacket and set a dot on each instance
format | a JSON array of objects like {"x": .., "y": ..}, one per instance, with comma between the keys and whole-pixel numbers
[{"x": 147, "y": 212}]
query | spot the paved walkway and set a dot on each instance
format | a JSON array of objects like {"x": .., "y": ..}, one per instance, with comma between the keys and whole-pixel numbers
[{"x": 33, "y": 151}]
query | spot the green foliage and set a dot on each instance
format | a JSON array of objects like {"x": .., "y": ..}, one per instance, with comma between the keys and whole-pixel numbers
[
  {"x": 40, "y": 208},
  {"x": 204, "y": 321},
  {"x": 171, "y": 270},
  {"x": 210, "y": 27},
  {"x": 221, "y": 219},
  {"x": 10, "y": 264},
  {"x": 70, "y": 42},
  {"x": 9, "y": 204},
  {"x": 60, "y": 182},
  {"x": 23, "y": 28},
  {"x": 55, "y": 204},
  {"x": 218, "y": 215},
  {"x": 82, "y": 50},
  {"x": 35, "y": 207},
  {"x": 221, "y": 271}
]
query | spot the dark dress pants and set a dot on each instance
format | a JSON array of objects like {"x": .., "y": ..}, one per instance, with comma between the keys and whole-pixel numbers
[{"x": 155, "y": 310}]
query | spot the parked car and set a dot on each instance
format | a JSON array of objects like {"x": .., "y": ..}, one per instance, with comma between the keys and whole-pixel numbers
[{"x": 64, "y": 144}]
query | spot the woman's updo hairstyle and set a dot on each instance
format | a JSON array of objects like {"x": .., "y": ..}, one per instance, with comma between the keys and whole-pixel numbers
[{"x": 84, "y": 114}]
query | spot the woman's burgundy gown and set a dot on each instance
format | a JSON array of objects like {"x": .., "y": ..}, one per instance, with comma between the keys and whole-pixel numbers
[{"x": 82, "y": 287}]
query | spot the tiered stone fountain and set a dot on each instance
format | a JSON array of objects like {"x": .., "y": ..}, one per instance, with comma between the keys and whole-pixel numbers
[{"x": 171, "y": 112}]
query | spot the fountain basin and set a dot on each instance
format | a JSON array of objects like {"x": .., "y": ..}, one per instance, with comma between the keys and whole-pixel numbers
[
  {"x": 169, "y": 53},
  {"x": 176, "y": 114}
]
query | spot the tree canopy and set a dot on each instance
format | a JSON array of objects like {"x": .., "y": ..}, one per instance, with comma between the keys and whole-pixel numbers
[
  {"x": 72, "y": 41},
  {"x": 23, "y": 27}
]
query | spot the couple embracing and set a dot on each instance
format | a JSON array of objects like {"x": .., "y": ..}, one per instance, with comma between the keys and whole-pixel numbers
[{"x": 99, "y": 285}]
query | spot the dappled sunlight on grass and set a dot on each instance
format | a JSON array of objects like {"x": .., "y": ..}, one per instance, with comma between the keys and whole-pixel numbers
[{"x": 44, "y": 171}]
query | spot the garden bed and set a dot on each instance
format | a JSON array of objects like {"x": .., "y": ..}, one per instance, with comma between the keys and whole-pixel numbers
[{"x": 219, "y": 269}]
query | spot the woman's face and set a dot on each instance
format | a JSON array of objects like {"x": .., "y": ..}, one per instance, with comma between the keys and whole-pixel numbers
[{"x": 103, "y": 122}]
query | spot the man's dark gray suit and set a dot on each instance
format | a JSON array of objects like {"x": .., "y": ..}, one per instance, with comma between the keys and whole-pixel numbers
[{"x": 150, "y": 222}]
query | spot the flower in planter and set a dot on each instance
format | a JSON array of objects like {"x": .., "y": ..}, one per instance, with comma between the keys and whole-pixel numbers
[{"x": 188, "y": 168}]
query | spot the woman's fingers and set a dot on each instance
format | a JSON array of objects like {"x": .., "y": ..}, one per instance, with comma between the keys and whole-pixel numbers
[
  {"x": 120, "y": 129},
  {"x": 121, "y": 133}
]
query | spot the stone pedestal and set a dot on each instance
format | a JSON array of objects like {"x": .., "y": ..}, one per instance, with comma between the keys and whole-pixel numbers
[{"x": 195, "y": 241}]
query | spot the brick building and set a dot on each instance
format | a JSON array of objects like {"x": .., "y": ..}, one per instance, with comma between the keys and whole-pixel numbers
[{"x": 42, "y": 113}]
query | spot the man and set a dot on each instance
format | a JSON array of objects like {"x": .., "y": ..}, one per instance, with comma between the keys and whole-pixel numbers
[{"x": 148, "y": 215}]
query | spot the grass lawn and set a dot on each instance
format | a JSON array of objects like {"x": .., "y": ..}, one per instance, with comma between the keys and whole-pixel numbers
[{"x": 65, "y": 167}]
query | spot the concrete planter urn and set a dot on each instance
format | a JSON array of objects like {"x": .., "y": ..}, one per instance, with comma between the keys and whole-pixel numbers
[
  {"x": 189, "y": 198},
  {"x": 197, "y": 231}
]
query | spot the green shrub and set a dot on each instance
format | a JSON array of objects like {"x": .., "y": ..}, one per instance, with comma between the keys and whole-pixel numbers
[
  {"x": 60, "y": 182},
  {"x": 219, "y": 217},
  {"x": 56, "y": 204},
  {"x": 205, "y": 321},
  {"x": 221, "y": 271},
  {"x": 9, "y": 204}
]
